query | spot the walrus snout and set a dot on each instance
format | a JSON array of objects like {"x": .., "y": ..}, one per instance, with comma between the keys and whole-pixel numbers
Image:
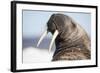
[
  {"x": 56, "y": 22},
  {"x": 51, "y": 26}
]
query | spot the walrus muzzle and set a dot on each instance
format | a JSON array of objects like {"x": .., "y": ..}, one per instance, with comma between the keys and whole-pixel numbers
[{"x": 71, "y": 40}]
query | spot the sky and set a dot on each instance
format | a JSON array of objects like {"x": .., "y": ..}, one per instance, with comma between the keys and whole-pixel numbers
[{"x": 34, "y": 22}]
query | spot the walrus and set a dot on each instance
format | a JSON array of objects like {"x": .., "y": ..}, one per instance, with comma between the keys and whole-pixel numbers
[{"x": 71, "y": 40}]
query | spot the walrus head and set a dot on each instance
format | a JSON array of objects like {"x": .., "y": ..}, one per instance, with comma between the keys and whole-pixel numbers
[
  {"x": 69, "y": 36},
  {"x": 60, "y": 26}
]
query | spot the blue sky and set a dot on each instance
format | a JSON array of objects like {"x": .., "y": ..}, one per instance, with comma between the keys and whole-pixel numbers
[{"x": 34, "y": 22}]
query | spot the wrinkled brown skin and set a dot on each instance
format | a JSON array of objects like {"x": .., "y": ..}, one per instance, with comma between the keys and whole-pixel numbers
[{"x": 72, "y": 43}]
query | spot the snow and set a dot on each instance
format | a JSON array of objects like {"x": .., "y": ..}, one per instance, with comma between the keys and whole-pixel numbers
[{"x": 36, "y": 55}]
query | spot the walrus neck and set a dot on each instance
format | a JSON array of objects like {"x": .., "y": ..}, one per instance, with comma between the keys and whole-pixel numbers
[
  {"x": 61, "y": 44},
  {"x": 77, "y": 39},
  {"x": 67, "y": 39}
]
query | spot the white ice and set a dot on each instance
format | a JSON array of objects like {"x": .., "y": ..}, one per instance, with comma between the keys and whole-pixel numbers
[{"x": 35, "y": 55}]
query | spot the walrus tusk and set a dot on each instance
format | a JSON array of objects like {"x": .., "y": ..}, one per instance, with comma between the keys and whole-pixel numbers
[
  {"x": 42, "y": 37},
  {"x": 53, "y": 39}
]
